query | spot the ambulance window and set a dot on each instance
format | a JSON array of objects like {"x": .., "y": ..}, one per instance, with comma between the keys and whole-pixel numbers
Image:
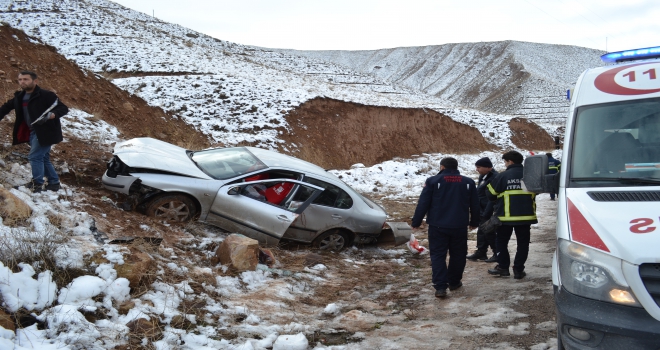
[{"x": 617, "y": 140}]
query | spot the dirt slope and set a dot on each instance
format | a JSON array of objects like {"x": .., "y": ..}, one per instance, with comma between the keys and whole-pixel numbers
[
  {"x": 337, "y": 134},
  {"x": 527, "y": 135},
  {"x": 83, "y": 90}
]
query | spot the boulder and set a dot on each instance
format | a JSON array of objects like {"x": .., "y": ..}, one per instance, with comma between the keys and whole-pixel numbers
[
  {"x": 238, "y": 252},
  {"x": 12, "y": 208}
]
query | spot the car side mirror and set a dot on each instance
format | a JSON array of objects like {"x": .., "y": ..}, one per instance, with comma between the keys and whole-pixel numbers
[
  {"x": 535, "y": 175},
  {"x": 234, "y": 191}
]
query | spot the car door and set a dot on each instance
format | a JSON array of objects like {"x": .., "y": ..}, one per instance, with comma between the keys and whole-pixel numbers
[
  {"x": 330, "y": 209},
  {"x": 245, "y": 208}
]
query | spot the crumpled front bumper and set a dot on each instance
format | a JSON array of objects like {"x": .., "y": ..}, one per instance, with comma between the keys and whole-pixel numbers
[{"x": 119, "y": 183}]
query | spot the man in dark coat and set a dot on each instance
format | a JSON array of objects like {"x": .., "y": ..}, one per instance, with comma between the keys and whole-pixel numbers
[
  {"x": 30, "y": 104},
  {"x": 516, "y": 210},
  {"x": 486, "y": 175},
  {"x": 450, "y": 203},
  {"x": 553, "y": 168}
]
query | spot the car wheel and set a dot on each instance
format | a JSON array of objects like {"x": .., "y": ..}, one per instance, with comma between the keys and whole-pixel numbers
[
  {"x": 172, "y": 207},
  {"x": 335, "y": 240}
]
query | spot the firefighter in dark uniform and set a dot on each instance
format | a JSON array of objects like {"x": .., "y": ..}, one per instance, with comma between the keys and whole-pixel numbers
[
  {"x": 450, "y": 203},
  {"x": 486, "y": 175},
  {"x": 553, "y": 168},
  {"x": 516, "y": 210}
]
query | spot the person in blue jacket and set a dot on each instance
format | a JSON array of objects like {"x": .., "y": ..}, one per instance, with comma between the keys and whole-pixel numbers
[
  {"x": 553, "y": 168},
  {"x": 451, "y": 204}
]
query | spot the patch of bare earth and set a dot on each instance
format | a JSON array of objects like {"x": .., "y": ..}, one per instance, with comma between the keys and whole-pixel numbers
[
  {"x": 528, "y": 135},
  {"x": 337, "y": 134}
]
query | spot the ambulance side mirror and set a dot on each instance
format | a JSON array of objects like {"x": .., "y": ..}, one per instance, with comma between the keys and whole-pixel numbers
[{"x": 535, "y": 175}]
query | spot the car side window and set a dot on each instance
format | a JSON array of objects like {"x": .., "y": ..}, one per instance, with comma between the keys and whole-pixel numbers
[
  {"x": 277, "y": 193},
  {"x": 332, "y": 196}
]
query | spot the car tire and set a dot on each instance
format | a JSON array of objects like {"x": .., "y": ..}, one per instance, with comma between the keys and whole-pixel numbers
[
  {"x": 333, "y": 240},
  {"x": 172, "y": 208}
]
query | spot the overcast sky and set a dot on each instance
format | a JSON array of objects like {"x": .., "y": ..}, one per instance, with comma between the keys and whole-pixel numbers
[{"x": 377, "y": 24}]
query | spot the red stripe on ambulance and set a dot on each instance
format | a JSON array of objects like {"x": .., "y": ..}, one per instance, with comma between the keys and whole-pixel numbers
[{"x": 581, "y": 229}]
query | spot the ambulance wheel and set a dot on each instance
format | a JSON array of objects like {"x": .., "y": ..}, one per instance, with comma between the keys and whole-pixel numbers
[
  {"x": 172, "y": 208},
  {"x": 333, "y": 240}
]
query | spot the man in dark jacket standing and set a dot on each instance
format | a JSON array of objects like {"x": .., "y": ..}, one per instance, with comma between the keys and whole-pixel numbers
[
  {"x": 516, "y": 210},
  {"x": 486, "y": 175},
  {"x": 553, "y": 168},
  {"x": 450, "y": 203},
  {"x": 38, "y": 114}
]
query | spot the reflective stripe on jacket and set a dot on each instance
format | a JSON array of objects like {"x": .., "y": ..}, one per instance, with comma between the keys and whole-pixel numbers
[
  {"x": 513, "y": 205},
  {"x": 553, "y": 165}
]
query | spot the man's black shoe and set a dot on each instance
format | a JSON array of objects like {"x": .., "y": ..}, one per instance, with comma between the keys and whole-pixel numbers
[
  {"x": 456, "y": 286},
  {"x": 440, "y": 293},
  {"x": 478, "y": 255},
  {"x": 36, "y": 188},
  {"x": 519, "y": 274},
  {"x": 53, "y": 187},
  {"x": 497, "y": 270},
  {"x": 491, "y": 259}
]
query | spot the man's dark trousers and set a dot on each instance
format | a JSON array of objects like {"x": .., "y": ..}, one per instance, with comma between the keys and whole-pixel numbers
[
  {"x": 485, "y": 240},
  {"x": 442, "y": 240},
  {"x": 522, "y": 237}
]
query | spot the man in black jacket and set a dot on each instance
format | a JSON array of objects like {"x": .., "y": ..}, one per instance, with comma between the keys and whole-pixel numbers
[
  {"x": 553, "y": 168},
  {"x": 484, "y": 240},
  {"x": 30, "y": 104},
  {"x": 450, "y": 203},
  {"x": 516, "y": 209}
]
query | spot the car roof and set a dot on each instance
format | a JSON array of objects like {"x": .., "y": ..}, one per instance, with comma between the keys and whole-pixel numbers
[{"x": 274, "y": 159}]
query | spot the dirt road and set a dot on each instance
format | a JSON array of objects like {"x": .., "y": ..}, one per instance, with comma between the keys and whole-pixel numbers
[{"x": 383, "y": 299}]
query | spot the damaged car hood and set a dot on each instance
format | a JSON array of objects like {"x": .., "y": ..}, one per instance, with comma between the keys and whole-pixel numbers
[{"x": 148, "y": 153}]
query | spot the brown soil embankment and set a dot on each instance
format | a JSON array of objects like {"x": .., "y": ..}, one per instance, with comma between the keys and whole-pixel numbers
[
  {"x": 337, "y": 134},
  {"x": 528, "y": 135},
  {"x": 83, "y": 90}
]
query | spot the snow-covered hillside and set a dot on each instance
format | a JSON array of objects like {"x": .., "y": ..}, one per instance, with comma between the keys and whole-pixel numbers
[
  {"x": 236, "y": 93},
  {"x": 519, "y": 78}
]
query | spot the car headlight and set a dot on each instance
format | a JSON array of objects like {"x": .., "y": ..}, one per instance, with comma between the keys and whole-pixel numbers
[{"x": 593, "y": 274}]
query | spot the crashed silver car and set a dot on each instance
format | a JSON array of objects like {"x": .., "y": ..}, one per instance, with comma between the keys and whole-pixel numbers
[{"x": 262, "y": 194}]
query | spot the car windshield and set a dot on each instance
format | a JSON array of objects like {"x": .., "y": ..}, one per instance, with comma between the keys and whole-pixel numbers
[
  {"x": 617, "y": 144},
  {"x": 226, "y": 163}
]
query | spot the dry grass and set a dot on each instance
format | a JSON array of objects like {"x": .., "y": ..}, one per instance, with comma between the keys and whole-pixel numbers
[{"x": 38, "y": 249}]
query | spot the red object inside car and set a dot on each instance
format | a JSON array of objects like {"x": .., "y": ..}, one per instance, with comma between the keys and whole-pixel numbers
[
  {"x": 262, "y": 176},
  {"x": 275, "y": 194}
]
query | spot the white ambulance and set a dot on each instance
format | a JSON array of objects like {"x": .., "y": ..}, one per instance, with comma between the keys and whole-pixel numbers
[{"x": 606, "y": 268}]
